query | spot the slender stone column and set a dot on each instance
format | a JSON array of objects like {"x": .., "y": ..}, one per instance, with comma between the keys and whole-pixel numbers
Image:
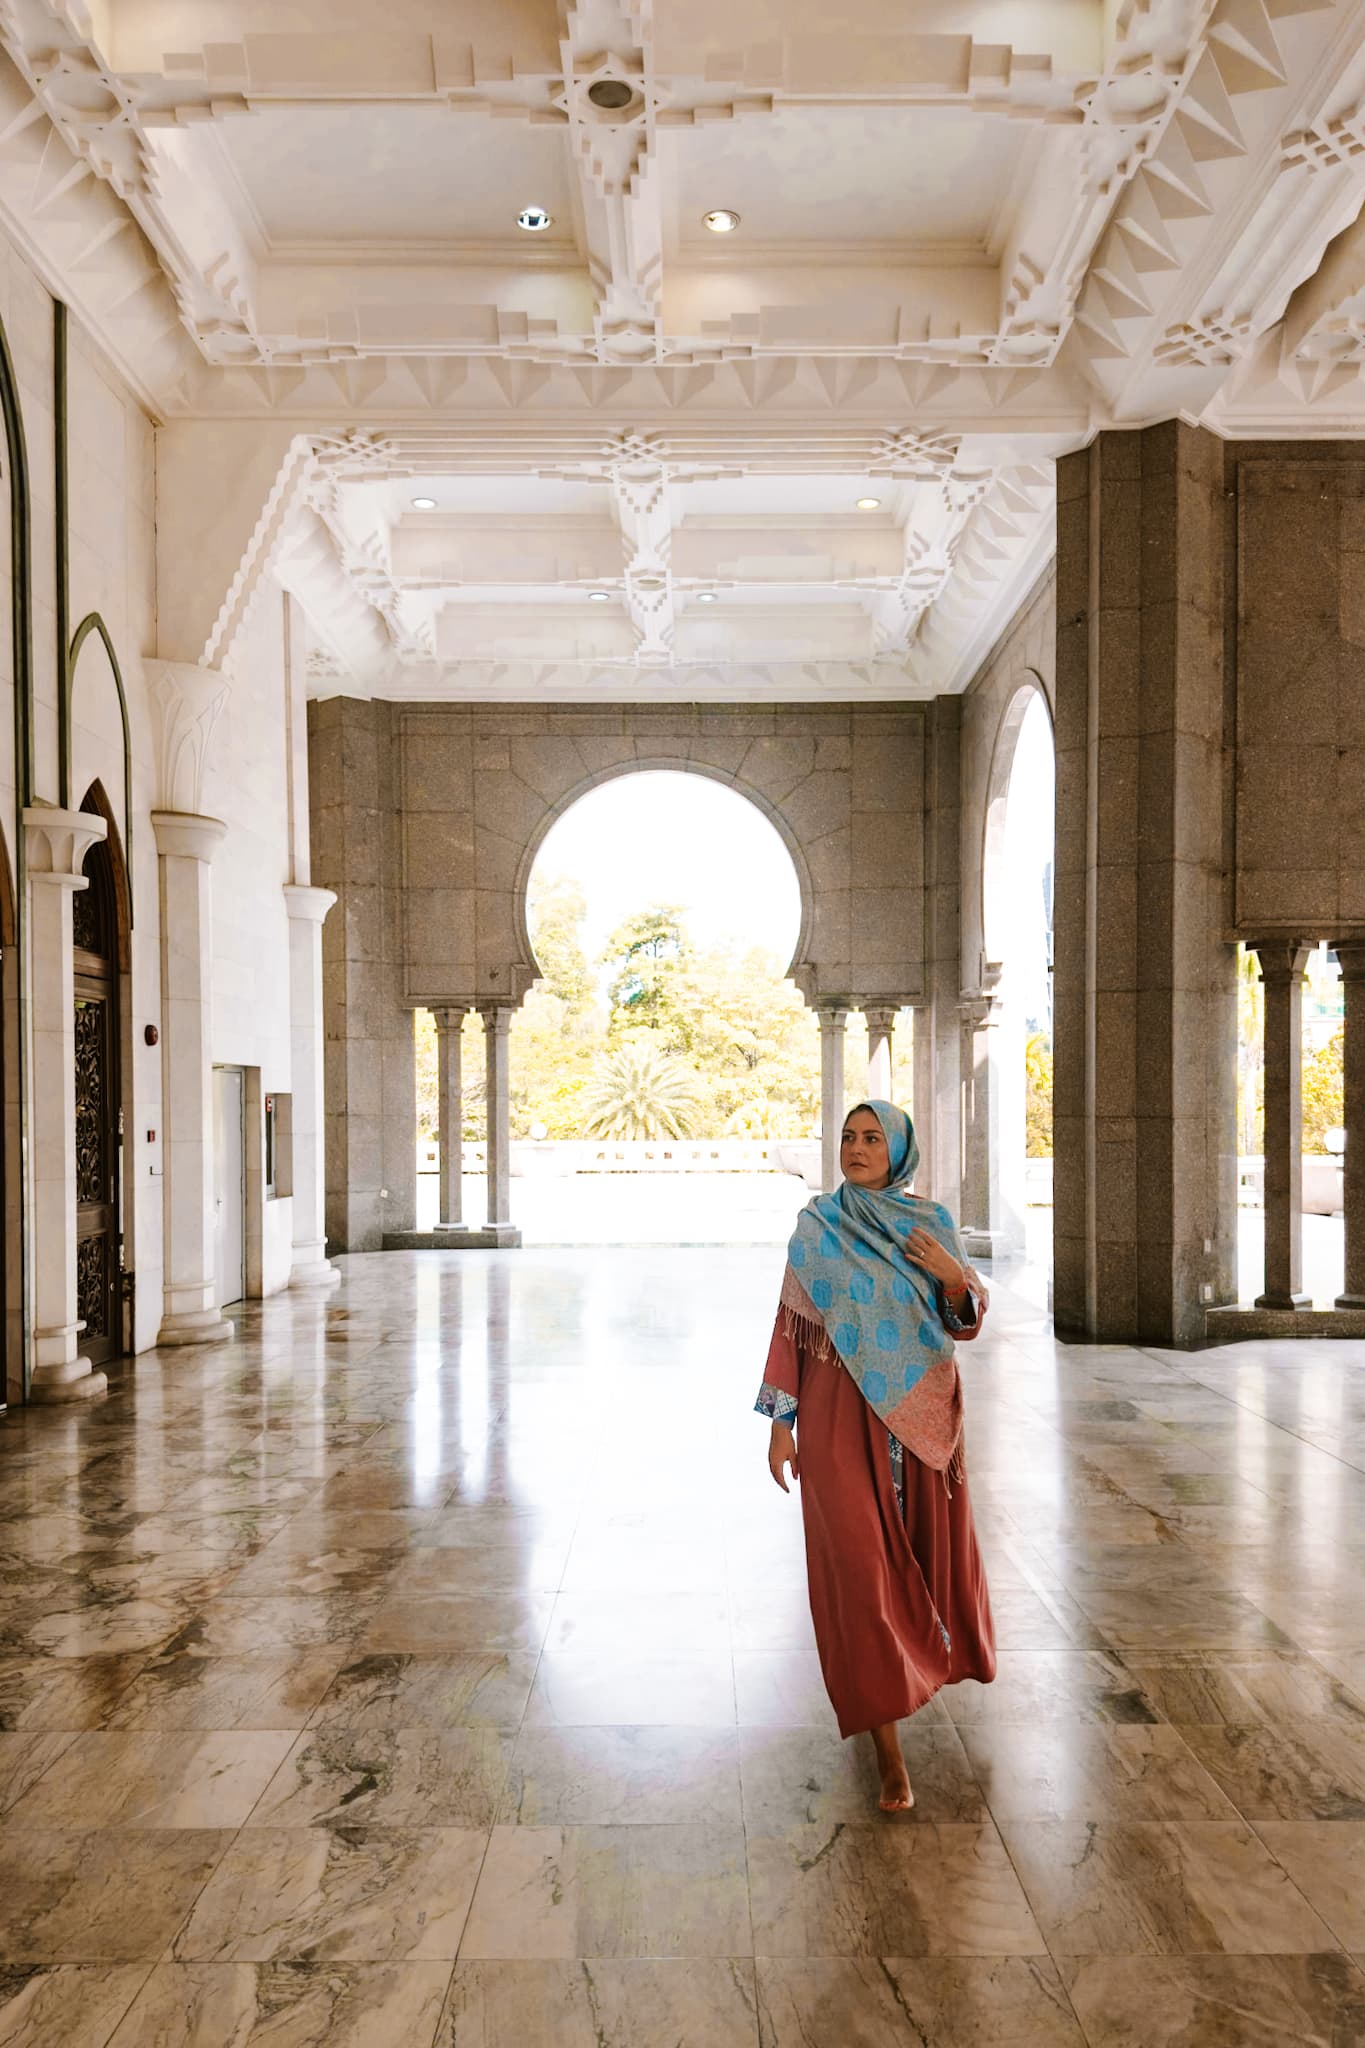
[
  {"x": 497, "y": 1019},
  {"x": 1351, "y": 954},
  {"x": 186, "y": 844},
  {"x": 56, "y": 844},
  {"x": 450, "y": 1097},
  {"x": 833, "y": 1026},
  {"x": 307, "y": 909},
  {"x": 881, "y": 1025},
  {"x": 977, "y": 1012},
  {"x": 1282, "y": 963}
]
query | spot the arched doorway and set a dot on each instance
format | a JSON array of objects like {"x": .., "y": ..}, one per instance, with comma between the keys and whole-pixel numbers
[
  {"x": 1017, "y": 874},
  {"x": 99, "y": 943}
]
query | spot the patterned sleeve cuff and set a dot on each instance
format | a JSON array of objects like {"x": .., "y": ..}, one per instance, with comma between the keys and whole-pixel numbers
[
  {"x": 777, "y": 1406},
  {"x": 955, "y": 1324}
]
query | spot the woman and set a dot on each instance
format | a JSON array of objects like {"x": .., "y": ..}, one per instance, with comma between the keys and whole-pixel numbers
[{"x": 875, "y": 1292}]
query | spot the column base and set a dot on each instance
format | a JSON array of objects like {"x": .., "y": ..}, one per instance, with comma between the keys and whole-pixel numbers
[
  {"x": 991, "y": 1244},
  {"x": 315, "y": 1276},
  {"x": 1349, "y": 1301},
  {"x": 485, "y": 1237},
  {"x": 1283, "y": 1301},
  {"x": 194, "y": 1326},
  {"x": 72, "y": 1380}
]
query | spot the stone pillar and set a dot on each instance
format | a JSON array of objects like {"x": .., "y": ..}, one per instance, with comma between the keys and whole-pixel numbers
[
  {"x": 308, "y": 910},
  {"x": 497, "y": 1019},
  {"x": 993, "y": 1125},
  {"x": 1282, "y": 963},
  {"x": 984, "y": 1231},
  {"x": 937, "y": 1052},
  {"x": 1145, "y": 1001},
  {"x": 56, "y": 843},
  {"x": 833, "y": 1024},
  {"x": 881, "y": 1025},
  {"x": 1351, "y": 955},
  {"x": 186, "y": 845},
  {"x": 450, "y": 1098}
]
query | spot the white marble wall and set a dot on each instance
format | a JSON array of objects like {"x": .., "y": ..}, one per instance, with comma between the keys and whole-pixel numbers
[{"x": 254, "y": 776}]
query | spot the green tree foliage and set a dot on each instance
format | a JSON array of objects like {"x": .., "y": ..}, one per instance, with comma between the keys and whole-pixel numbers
[
  {"x": 645, "y": 955},
  {"x": 1038, "y": 1096},
  {"x": 724, "y": 1018},
  {"x": 640, "y": 1091},
  {"x": 555, "y": 911},
  {"x": 1323, "y": 1092}
]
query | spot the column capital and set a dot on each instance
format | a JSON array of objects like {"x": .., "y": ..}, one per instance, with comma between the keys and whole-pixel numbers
[
  {"x": 497, "y": 1012},
  {"x": 56, "y": 843},
  {"x": 882, "y": 1016},
  {"x": 450, "y": 1016},
  {"x": 186, "y": 834},
  {"x": 186, "y": 699},
  {"x": 309, "y": 906},
  {"x": 832, "y": 1016},
  {"x": 978, "y": 1007},
  {"x": 1280, "y": 959},
  {"x": 1350, "y": 958}
]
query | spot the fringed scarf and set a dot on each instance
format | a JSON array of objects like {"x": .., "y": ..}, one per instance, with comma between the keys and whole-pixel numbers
[{"x": 849, "y": 1287}]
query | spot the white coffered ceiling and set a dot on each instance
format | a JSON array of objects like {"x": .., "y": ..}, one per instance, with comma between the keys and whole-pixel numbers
[{"x": 969, "y": 236}]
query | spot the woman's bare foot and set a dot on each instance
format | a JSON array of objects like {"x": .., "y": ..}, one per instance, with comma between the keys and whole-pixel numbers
[{"x": 896, "y": 1796}]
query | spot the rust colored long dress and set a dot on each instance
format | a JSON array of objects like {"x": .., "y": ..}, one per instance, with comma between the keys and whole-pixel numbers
[{"x": 899, "y": 1600}]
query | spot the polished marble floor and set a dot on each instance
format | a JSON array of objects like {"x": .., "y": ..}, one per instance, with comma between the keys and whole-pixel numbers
[{"x": 431, "y": 1667}]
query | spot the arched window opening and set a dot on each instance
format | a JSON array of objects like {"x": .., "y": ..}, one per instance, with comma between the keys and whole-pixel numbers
[{"x": 665, "y": 1071}]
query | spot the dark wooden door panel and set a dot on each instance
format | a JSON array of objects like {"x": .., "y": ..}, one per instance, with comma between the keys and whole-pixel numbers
[{"x": 97, "y": 1161}]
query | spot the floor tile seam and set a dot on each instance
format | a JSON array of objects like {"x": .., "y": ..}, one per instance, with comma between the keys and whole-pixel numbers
[
  {"x": 137, "y": 1993},
  {"x": 1340, "y": 1945},
  {"x": 1336, "y": 1947},
  {"x": 73, "y": 1736},
  {"x": 1247, "y": 1408}
]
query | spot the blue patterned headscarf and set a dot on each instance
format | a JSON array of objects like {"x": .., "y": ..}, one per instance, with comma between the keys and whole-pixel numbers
[{"x": 880, "y": 1311}]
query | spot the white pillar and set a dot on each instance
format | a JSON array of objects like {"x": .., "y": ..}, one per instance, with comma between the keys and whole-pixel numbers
[
  {"x": 450, "y": 1117},
  {"x": 881, "y": 1024},
  {"x": 186, "y": 844},
  {"x": 56, "y": 843},
  {"x": 833, "y": 1022},
  {"x": 497, "y": 1019},
  {"x": 307, "y": 910}
]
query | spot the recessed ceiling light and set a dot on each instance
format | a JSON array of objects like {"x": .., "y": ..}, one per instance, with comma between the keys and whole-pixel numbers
[
  {"x": 424, "y": 504},
  {"x": 611, "y": 94},
  {"x": 534, "y": 219},
  {"x": 869, "y": 504},
  {"x": 706, "y": 597},
  {"x": 722, "y": 220},
  {"x": 599, "y": 597}
]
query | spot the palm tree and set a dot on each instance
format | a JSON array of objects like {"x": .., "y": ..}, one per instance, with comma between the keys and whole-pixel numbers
[{"x": 639, "y": 1092}]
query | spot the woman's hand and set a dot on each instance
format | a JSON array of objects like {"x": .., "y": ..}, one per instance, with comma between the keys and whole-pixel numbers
[
  {"x": 926, "y": 1251},
  {"x": 782, "y": 1452}
]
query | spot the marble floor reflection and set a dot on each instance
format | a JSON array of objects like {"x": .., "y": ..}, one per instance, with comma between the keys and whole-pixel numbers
[{"x": 431, "y": 1667}]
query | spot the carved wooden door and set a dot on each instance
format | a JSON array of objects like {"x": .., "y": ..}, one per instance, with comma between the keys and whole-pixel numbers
[{"x": 99, "y": 1292}]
